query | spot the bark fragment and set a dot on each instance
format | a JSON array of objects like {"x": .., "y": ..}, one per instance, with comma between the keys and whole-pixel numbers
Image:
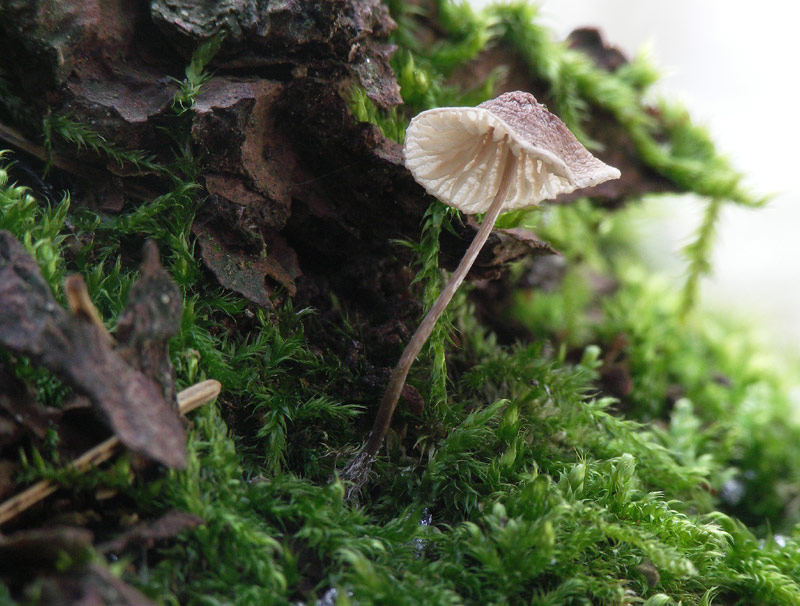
[
  {"x": 246, "y": 159},
  {"x": 151, "y": 317},
  {"x": 280, "y": 153},
  {"x": 34, "y": 324},
  {"x": 246, "y": 272},
  {"x": 291, "y": 38},
  {"x": 147, "y": 534}
]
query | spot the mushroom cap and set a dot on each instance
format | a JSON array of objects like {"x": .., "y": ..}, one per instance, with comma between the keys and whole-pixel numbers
[{"x": 458, "y": 154}]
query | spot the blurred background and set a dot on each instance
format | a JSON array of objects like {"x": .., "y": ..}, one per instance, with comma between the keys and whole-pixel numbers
[{"x": 733, "y": 65}]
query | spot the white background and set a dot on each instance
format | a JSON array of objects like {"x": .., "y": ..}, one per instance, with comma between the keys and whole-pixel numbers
[{"x": 734, "y": 64}]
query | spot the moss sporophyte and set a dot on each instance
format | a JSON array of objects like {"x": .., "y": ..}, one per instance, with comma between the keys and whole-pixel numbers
[{"x": 505, "y": 154}]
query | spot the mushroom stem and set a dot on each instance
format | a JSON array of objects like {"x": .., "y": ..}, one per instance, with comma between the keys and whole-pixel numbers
[{"x": 420, "y": 336}]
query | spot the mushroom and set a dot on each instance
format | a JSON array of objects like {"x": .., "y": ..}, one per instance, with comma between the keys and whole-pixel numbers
[{"x": 507, "y": 153}]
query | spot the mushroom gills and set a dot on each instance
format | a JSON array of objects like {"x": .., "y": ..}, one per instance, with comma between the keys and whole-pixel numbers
[
  {"x": 467, "y": 175},
  {"x": 443, "y": 165}
]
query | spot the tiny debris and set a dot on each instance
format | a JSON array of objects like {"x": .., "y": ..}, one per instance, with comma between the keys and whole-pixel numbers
[
  {"x": 414, "y": 401},
  {"x": 615, "y": 373},
  {"x": 80, "y": 304},
  {"x": 8, "y": 476},
  {"x": 650, "y": 573}
]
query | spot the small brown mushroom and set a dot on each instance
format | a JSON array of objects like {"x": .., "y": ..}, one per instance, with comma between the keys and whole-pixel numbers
[{"x": 505, "y": 154}]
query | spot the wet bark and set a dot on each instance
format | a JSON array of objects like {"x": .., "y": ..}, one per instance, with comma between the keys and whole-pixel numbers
[{"x": 302, "y": 199}]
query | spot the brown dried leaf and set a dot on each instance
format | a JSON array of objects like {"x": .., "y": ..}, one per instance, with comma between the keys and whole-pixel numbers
[
  {"x": 244, "y": 272},
  {"x": 148, "y": 533},
  {"x": 42, "y": 548},
  {"x": 151, "y": 317},
  {"x": 34, "y": 324},
  {"x": 93, "y": 586}
]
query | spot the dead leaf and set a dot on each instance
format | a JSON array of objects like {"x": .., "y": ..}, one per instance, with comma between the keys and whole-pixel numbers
[
  {"x": 615, "y": 373},
  {"x": 244, "y": 272},
  {"x": 148, "y": 533},
  {"x": 43, "y": 548},
  {"x": 151, "y": 317},
  {"x": 34, "y": 324}
]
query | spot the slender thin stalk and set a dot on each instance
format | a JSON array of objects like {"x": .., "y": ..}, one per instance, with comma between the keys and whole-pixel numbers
[{"x": 420, "y": 336}]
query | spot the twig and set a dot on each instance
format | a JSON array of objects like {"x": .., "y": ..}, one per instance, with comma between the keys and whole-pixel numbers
[
  {"x": 15, "y": 138},
  {"x": 188, "y": 399}
]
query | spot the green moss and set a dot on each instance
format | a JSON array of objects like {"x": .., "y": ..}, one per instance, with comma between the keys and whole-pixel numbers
[
  {"x": 82, "y": 137},
  {"x": 364, "y": 110},
  {"x": 40, "y": 229},
  {"x": 196, "y": 74},
  {"x": 437, "y": 218}
]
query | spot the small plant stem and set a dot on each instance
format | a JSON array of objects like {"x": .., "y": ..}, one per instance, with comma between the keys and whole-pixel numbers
[
  {"x": 420, "y": 336},
  {"x": 699, "y": 253},
  {"x": 81, "y": 304}
]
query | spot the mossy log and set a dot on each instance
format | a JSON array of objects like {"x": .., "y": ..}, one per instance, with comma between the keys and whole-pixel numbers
[
  {"x": 593, "y": 447},
  {"x": 301, "y": 195}
]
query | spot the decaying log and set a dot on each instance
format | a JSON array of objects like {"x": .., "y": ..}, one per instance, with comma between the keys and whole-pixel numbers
[{"x": 295, "y": 185}]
